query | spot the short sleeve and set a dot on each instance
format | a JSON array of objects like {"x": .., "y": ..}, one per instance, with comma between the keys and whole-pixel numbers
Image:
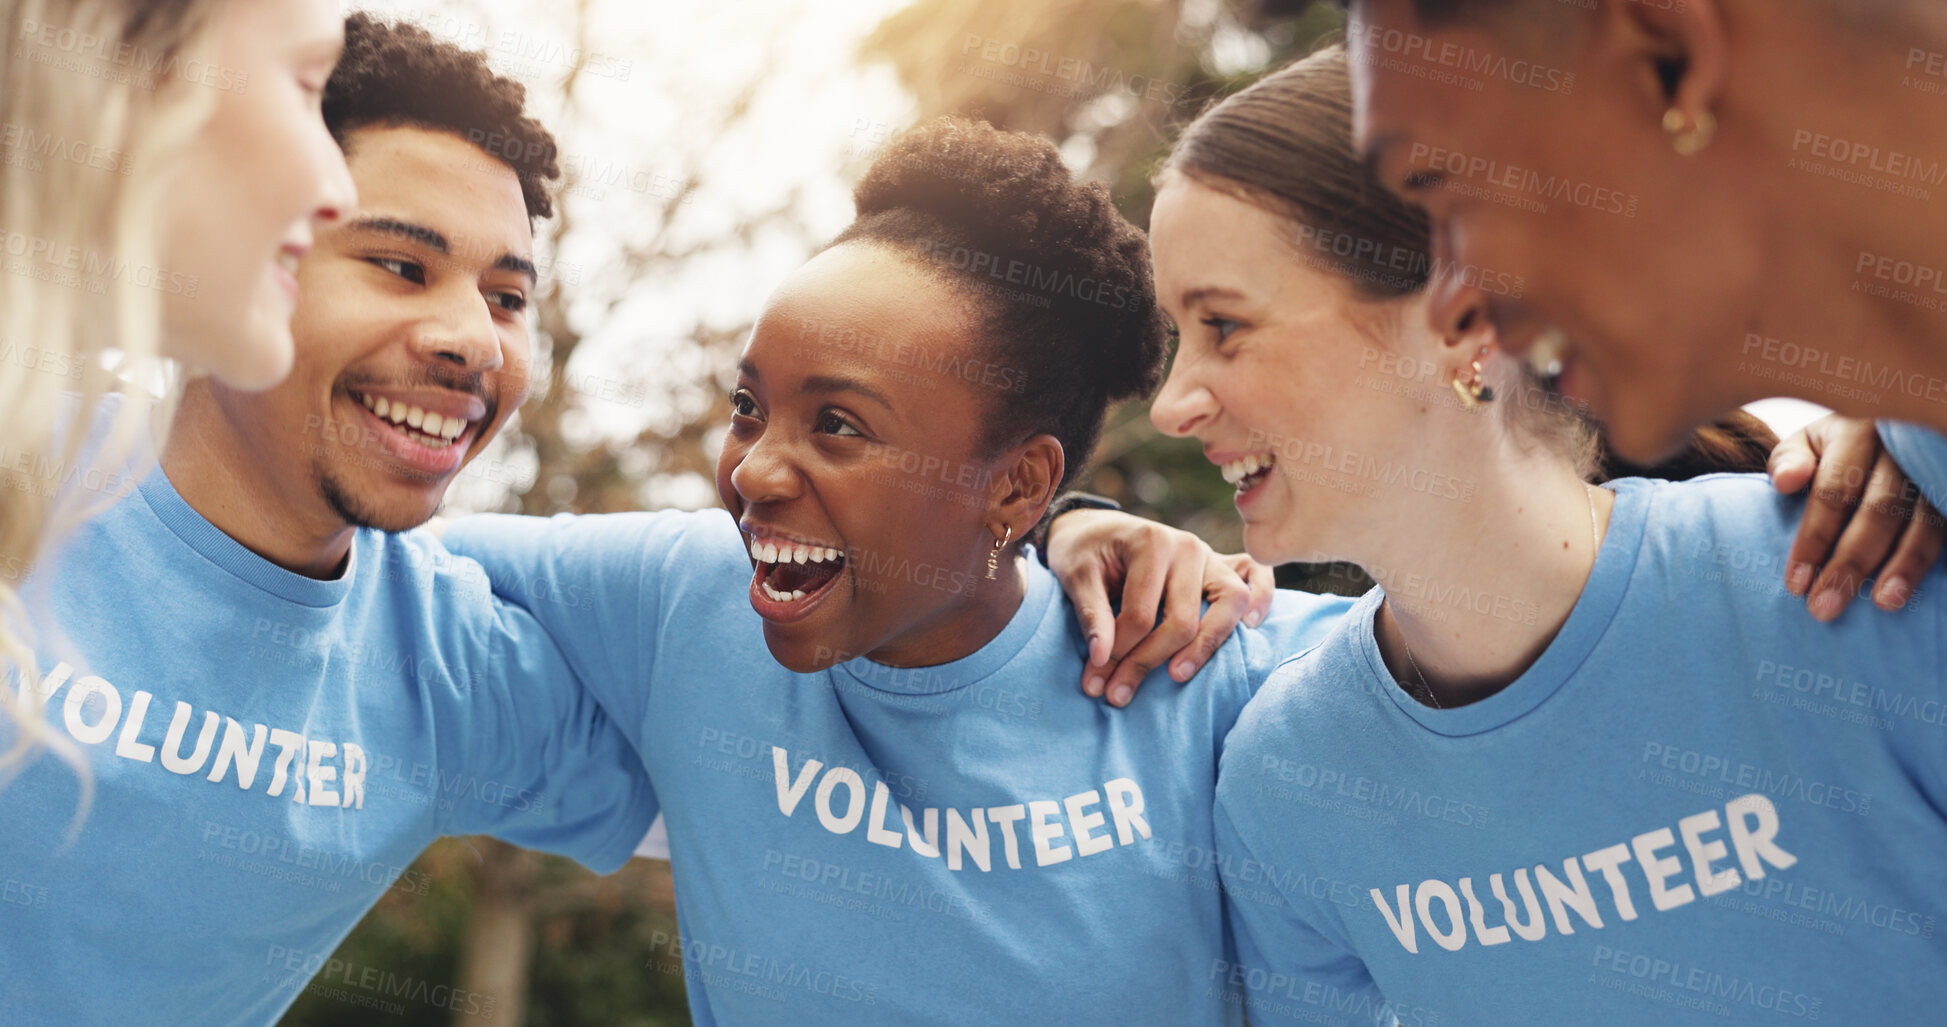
[
  {"x": 1922, "y": 454},
  {"x": 1297, "y": 622},
  {"x": 594, "y": 582},
  {"x": 1287, "y": 970},
  {"x": 535, "y": 761}
]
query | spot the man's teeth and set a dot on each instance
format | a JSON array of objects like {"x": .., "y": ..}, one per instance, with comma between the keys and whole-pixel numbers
[
  {"x": 766, "y": 552},
  {"x": 438, "y": 431},
  {"x": 1245, "y": 466},
  {"x": 287, "y": 260}
]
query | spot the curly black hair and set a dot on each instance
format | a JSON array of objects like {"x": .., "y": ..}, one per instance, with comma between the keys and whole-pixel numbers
[
  {"x": 399, "y": 74},
  {"x": 1061, "y": 280}
]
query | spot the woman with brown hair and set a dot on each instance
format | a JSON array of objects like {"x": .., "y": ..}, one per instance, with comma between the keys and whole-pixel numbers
[{"x": 1567, "y": 709}]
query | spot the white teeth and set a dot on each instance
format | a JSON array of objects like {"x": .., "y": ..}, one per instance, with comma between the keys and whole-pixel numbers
[
  {"x": 1245, "y": 466},
  {"x": 781, "y": 597},
  {"x": 766, "y": 552},
  {"x": 434, "y": 431},
  {"x": 287, "y": 260}
]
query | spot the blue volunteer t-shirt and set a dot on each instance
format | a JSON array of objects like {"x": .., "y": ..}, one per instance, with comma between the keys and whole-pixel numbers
[
  {"x": 971, "y": 843},
  {"x": 269, "y": 753},
  {"x": 1698, "y": 805},
  {"x": 1922, "y": 454}
]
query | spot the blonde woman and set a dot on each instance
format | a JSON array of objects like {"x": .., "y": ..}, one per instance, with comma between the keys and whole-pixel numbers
[{"x": 161, "y": 166}]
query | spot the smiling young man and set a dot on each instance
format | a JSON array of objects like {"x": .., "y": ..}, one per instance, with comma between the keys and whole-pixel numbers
[{"x": 279, "y": 699}]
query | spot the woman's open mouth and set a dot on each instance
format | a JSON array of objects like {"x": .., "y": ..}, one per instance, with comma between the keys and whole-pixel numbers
[{"x": 790, "y": 577}]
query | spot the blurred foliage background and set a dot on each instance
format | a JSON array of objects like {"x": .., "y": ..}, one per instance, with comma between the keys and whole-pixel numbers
[{"x": 666, "y": 225}]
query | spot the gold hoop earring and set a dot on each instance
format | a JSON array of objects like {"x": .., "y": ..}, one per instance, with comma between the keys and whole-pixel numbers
[
  {"x": 1474, "y": 392},
  {"x": 994, "y": 558},
  {"x": 1688, "y": 137}
]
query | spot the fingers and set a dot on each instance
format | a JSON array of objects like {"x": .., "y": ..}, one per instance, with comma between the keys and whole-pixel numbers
[
  {"x": 1142, "y": 591},
  {"x": 1229, "y": 597},
  {"x": 1264, "y": 586},
  {"x": 1182, "y": 604},
  {"x": 1918, "y": 550},
  {"x": 1090, "y": 595},
  {"x": 1847, "y": 460},
  {"x": 1873, "y": 531},
  {"x": 1793, "y": 462}
]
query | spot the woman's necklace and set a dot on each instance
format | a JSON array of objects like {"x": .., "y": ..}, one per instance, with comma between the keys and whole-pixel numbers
[{"x": 1426, "y": 691}]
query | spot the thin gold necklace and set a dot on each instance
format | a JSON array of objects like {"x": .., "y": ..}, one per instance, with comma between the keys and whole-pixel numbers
[{"x": 1595, "y": 547}]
